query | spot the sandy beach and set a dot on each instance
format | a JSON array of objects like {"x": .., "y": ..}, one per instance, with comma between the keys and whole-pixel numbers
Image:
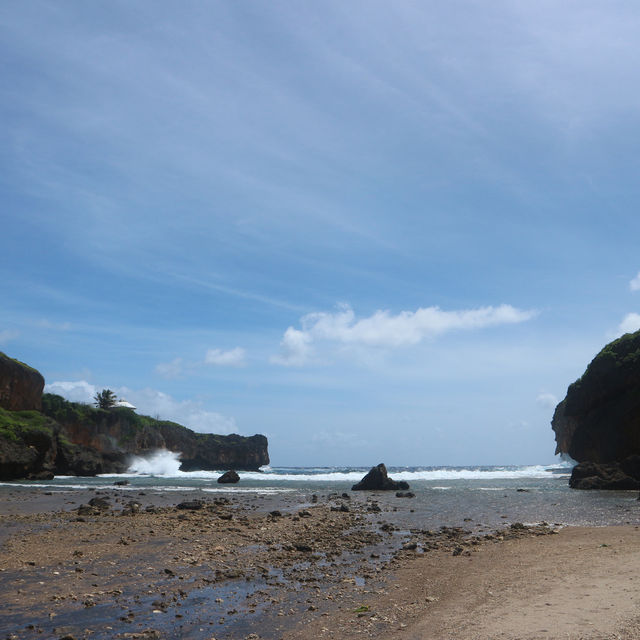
[{"x": 137, "y": 567}]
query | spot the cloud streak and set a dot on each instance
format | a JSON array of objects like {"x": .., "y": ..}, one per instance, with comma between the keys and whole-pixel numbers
[
  {"x": 235, "y": 358},
  {"x": 385, "y": 330},
  {"x": 231, "y": 358}
]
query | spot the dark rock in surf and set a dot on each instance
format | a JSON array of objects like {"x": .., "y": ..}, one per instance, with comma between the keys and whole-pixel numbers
[
  {"x": 229, "y": 477},
  {"x": 378, "y": 480}
]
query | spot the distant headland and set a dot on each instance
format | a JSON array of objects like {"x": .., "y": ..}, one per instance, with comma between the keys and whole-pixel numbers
[{"x": 42, "y": 435}]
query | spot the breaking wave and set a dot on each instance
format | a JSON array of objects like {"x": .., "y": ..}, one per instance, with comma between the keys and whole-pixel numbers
[{"x": 166, "y": 464}]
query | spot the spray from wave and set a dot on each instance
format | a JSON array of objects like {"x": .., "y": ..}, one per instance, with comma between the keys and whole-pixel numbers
[{"x": 161, "y": 463}]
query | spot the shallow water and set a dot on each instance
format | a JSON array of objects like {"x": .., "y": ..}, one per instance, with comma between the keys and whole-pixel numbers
[{"x": 452, "y": 496}]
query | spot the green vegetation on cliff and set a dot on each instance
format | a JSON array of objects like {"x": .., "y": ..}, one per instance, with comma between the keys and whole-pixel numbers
[{"x": 15, "y": 425}]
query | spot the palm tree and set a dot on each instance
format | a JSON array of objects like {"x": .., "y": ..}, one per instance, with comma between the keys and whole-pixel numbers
[{"x": 105, "y": 399}]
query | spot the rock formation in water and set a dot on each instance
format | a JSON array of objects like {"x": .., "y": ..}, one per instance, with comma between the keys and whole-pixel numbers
[
  {"x": 68, "y": 438},
  {"x": 378, "y": 480},
  {"x": 229, "y": 477},
  {"x": 598, "y": 422}
]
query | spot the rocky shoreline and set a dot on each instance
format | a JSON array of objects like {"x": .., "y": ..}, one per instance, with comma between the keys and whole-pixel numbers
[{"x": 132, "y": 566}]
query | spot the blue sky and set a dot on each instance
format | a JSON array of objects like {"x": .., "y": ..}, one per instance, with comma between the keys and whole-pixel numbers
[{"x": 372, "y": 231}]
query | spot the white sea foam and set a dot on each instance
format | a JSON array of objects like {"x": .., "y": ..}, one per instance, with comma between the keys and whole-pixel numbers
[
  {"x": 161, "y": 463},
  {"x": 434, "y": 474},
  {"x": 166, "y": 464}
]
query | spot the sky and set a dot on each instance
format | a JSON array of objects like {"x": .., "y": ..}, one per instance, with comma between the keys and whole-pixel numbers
[{"x": 372, "y": 231}]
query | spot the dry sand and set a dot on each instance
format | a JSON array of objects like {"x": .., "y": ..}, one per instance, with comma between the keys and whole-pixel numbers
[
  {"x": 232, "y": 570},
  {"x": 583, "y": 583}
]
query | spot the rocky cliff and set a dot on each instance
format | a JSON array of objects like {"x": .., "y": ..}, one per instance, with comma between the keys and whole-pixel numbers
[
  {"x": 20, "y": 385},
  {"x": 599, "y": 419},
  {"x": 67, "y": 438},
  {"x": 124, "y": 431}
]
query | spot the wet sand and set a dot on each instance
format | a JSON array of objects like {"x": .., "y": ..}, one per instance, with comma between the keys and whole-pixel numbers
[{"x": 278, "y": 567}]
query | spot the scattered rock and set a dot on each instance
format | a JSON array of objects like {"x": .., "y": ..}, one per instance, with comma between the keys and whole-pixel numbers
[
  {"x": 85, "y": 510},
  {"x": 191, "y": 505},
  {"x": 405, "y": 494},
  {"x": 100, "y": 504},
  {"x": 131, "y": 508}
]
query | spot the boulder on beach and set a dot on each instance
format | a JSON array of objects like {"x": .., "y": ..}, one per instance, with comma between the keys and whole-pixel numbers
[
  {"x": 378, "y": 480},
  {"x": 229, "y": 477}
]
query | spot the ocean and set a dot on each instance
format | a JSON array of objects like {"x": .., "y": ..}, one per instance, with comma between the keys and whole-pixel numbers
[{"x": 475, "y": 497}]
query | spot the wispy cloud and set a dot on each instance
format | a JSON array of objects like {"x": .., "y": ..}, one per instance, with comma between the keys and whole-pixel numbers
[
  {"x": 6, "y": 335},
  {"x": 173, "y": 369},
  {"x": 235, "y": 358},
  {"x": 231, "y": 358},
  {"x": 383, "y": 329},
  {"x": 634, "y": 285},
  {"x": 44, "y": 323}
]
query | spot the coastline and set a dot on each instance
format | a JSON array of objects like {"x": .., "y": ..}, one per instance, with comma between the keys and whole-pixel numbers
[{"x": 338, "y": 568}]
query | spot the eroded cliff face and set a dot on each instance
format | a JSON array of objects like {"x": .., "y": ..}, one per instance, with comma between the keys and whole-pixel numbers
[
  {"x": 20, "y": 385},
  {"x": 599, "y": 419}
]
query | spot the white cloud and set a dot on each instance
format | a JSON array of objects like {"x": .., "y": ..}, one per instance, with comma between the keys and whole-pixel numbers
[
  {"x": 189, "y": 413},
  {"x": 634, "y": 285},
  {"x": 7, "y": 335},
  {"x": 382, "y": 329},
  {"x": 547, "y": 400},
  {"x": 76, "y": 391},
  {"x": 231, "y": 358},
  {"x": 630, "y": 323},
  {"x": 295, "y": 348}
]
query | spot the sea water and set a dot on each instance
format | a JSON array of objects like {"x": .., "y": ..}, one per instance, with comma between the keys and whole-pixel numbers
[{"x": 471, "y": 496}]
